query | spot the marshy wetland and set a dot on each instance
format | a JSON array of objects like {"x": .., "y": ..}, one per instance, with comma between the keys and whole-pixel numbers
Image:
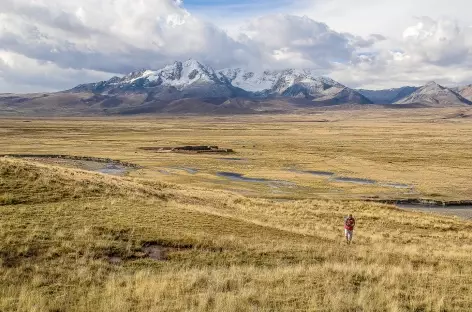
[
  {"x": 92, "y": 221},
  {"x": 351, "y": 156}
]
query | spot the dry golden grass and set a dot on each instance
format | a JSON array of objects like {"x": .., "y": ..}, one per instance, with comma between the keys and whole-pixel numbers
[
  {"x": 240, "y": 254},
  {"x": 417, "y": 147},
  {"x": 60, "y": 227}
]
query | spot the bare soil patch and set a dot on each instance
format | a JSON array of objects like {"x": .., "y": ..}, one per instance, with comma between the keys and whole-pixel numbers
[
  {"x": 156, "y": 252},
  {"x": 152, "y": 250}
]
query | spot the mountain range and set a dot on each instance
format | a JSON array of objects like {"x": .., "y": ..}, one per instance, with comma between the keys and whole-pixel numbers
[
  {"x": 192, "y": 87},
  {"x": 192, "y": 79}
]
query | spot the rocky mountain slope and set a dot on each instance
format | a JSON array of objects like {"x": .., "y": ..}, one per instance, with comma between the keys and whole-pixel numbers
[
  {"x": 302, "y": 84},
  {"x": 387, "y": 96},
  {"x": 433, "y": 94},
  {"x": 190, "y": 79},
  {"x": 465, "y": 91}
]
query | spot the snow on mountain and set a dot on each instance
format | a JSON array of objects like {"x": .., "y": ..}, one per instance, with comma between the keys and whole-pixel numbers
[
  {"x": 295, "y": 83},
  {"x": 275, "y": 81},
  {"x": 387, "y": 96},
  {"x": 248, "y": 80},
  {"x": 177, "y": 75},
  {"x": 193, "y": 79},
  {"x": 179, "y": 80},
  {"x": 433, "y": 94}
]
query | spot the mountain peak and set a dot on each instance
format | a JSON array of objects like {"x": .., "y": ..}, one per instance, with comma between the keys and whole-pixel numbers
[
  {"x": 194, "y": 64},
  {"x": 433, "y": 94},
  {"x": 191, "y": 61},
  {"x": 192, "y": 79},
  {"x": 433, "y": 85}
]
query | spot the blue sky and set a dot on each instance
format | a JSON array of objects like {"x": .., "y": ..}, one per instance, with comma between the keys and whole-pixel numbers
[
  {"x": 222, "y": 9},
  {"x": 249, "y": 5}
]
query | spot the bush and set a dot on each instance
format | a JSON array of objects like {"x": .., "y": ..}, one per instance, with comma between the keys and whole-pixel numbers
[{"x": 8, "y": 199}]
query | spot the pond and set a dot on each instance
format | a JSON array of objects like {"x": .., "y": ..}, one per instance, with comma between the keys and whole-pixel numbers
[
  {"x": 462, "y": 211},
  {"x": 95, "y": 164},
  {"x": 112, "y": 169},
  {"x": 274, "y": 184},
  {"x": 333, "y": 177}
]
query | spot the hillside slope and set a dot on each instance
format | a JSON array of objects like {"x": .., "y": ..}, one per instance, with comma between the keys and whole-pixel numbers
[
  {"x": 387, "y": 96},
  {"x": 465, "y": 91},
  {"x": 195, "y": 249},
  {"x": 433, "y": 94}
]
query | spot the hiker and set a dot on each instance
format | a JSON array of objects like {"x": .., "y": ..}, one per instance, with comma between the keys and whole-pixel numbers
[{"x": 349, "y": 224}]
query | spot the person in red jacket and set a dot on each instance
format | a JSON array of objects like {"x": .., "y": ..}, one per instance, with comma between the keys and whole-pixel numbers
[{"x": 349, "y": 224}]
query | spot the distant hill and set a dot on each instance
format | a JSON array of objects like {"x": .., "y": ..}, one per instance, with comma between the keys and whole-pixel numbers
[
  {"x": 433, "y": 94},
  {"x": 387, "y": 96},
  {"x": 464, "y": 91},
  {"x": 194, "y": 88}
]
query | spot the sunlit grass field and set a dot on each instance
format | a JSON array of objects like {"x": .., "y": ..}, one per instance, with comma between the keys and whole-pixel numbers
[
  {"x": 74, "y": 240},
  {"x": 427, "y": 149}
]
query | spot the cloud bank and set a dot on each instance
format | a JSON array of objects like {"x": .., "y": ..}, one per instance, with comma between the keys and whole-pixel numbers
[{"x": 57, "y": 44}]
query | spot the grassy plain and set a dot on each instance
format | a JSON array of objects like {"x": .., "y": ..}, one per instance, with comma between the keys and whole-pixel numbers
[
  {"x": 72, "y": 240},
  {"x": 428, "y": 149}
]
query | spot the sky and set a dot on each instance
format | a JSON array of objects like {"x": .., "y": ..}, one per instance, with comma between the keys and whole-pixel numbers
[{"x": 52, "y": 45}]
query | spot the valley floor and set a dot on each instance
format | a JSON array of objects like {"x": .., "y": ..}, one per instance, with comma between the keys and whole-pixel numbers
[
  {"x": 76, "y": 240},
  {"x": 409, "y": 153}
]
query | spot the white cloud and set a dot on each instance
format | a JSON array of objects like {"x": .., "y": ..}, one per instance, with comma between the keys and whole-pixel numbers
[
  {"x": 425, "y": 40},
  {"x": 111, "y": 35},
  {"x": 22, "y": 74},
  {"x": 293, "y": 41},
  {"x": 56, "y": 44},
  {"x": 387, "y": 17},
  {"x": 440, "y": 42},
  {"x": 119, "y": 36},
  {"x": 436, "y": 50}
]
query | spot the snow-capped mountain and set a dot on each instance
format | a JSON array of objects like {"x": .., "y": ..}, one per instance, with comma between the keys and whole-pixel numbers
[
  {"x": 387, "y": 96},
  {"x": 294, "y": 83},
  {"x": 179, "y": 80},
  {"x": 192, "y": 79},
  {"x": 433, "y": 94},
  {"x": 193, "y": 88}
]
